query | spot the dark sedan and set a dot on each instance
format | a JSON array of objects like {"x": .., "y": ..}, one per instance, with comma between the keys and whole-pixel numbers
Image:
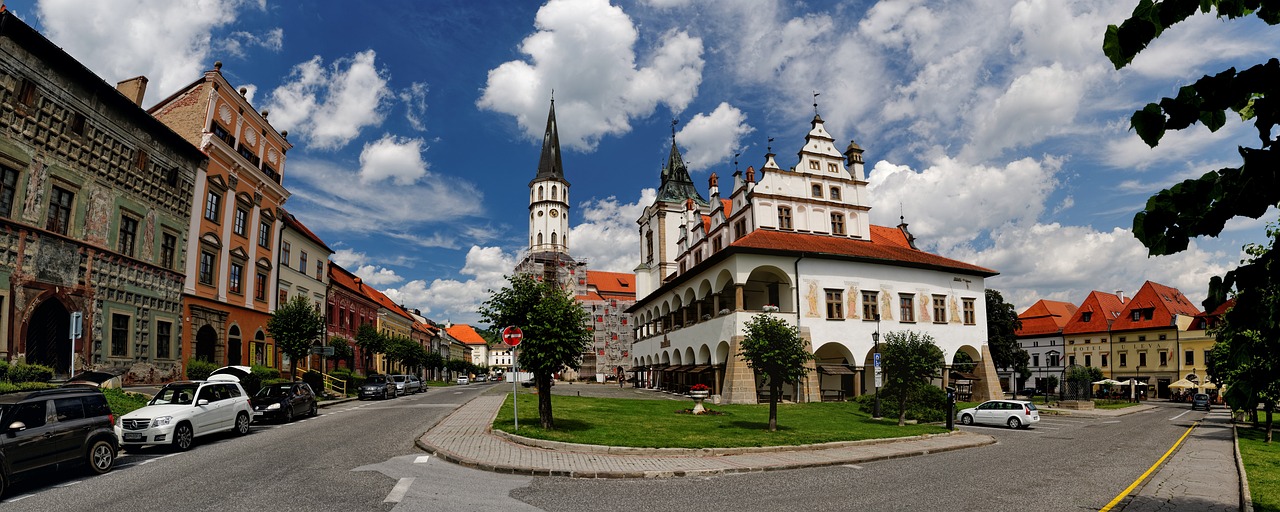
[
  {"x": 283, "y": 402},
  {"x": 379, "y": 386}
]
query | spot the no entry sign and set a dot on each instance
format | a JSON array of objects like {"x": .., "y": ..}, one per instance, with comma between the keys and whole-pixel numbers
[{"x": 512, "y": 335}]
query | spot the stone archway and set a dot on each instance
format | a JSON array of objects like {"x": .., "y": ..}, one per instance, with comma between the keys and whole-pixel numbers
[
  {"x": 48, "y": 335},
  {"x": 207, "y": 344},
  {"x": 233, "y": 346}
]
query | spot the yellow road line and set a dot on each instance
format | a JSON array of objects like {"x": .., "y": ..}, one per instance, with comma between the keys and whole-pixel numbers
[{"x": 1115, "y": 501}]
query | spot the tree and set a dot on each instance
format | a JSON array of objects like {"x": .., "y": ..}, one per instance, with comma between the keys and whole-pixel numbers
[
  {"x": 909, "y": 362},
  {"x": 296, "y": 325},
  {"x": 1202, "y": 206},
  {"x": 555, "y": 332},
  {"x": 456, "y": 365},
  {"x": 433, "y": 361},
  {"x": 774, "y": 348},
  {"x": 1002, "y": 338},
  {"x": 342, "y": 349},
  {"x": 370, "y": 342}
]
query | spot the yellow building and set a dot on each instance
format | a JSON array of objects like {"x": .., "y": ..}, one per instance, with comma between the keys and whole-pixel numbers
[{"x": 1146, "y": 337}]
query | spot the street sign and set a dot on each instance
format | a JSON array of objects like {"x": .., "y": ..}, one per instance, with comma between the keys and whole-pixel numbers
[
  {"x": 77, "y": 321},
  {"x": 877, "y": 357},
  {"x": 324, "y": 351},
  {"x": 878, "y": 381},
  {"x": 512, "y": 335}
]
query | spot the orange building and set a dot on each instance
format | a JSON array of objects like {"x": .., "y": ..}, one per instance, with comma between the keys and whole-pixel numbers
[{"x": 230, "y": 288}]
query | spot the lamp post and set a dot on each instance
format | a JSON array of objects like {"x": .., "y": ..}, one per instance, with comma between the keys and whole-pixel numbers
[
  {"x": 1052, "y": 357},
  {"x": 875, "y": 338}
]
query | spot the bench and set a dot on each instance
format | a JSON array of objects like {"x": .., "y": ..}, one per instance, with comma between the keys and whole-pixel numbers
[{"x": 833, "y": 395}]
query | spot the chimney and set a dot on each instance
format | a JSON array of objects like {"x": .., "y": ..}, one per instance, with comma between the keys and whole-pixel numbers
[
  {"x": 133, "y": 88},
  {"x": 714, "y": 189},
  {"x": 1120, "y": 294}
]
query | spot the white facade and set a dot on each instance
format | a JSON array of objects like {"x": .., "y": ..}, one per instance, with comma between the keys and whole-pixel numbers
[{"x": 302, "y": 249}]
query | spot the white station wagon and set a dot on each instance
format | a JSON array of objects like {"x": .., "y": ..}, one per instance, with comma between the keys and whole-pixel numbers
[
  {"x": 1014, "y": 413},
  {"x": 183, "y": 411}
]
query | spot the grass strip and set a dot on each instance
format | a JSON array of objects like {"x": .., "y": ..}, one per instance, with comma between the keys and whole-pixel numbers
[
  {"x": 1262, "y": 466},
  {"x": 667, "y": 424}
]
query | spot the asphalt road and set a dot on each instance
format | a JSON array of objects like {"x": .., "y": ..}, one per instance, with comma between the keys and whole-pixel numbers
[{"x": 360, "y": 456}]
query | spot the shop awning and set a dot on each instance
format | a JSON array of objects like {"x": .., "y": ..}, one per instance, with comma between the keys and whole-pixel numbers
[
  {"x": 699, "y": 369},
  {"x": 835, "y": 369},
  {"x": 964, "y": 376}
]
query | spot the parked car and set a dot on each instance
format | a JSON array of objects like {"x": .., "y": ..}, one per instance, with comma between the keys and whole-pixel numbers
[
  {"x": 185, "y": 410},
  {"x": 415, "y": 384},
  {"x": 1014, "y": 413},
  {"x": 1200, "y": 400},
  {"x": 55, "y": 428},
  {"x": 283, "y": 402},
  {"x": 462, "y": 379},
  {"x": 381, "y": 386},
  {"x": 482, "y": 378},
  {"x": 407, "y": 384}
]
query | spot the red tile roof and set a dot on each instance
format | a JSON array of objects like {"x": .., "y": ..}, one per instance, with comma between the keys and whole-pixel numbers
[
  {"x": 1101, "y": 307},
  {"x": 386, "y": 302},
  {"x": 884, "y": 247},
  {"x": 728, "y": 207},
  {"x": 466, "y": 334},
  {"x": 1045, "y": 317},
  {"x": 1162, "y": 302},
  {"x": 612, "y": 285}
]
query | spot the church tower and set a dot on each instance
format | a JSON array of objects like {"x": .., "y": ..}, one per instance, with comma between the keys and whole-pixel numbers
[
  {"x": 661, "y": 222},
  {"x": 549, "y": 197}
]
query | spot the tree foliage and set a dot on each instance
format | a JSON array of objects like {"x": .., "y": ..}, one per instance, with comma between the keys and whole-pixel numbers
[
  {"x": 555, "y": 332},
  {"x": 1002, "y": 338},
  {"x": 370, "y": 342},
  {"x": 1202, "y": 206},
  {"x": 774, "y": 348},
  {"x": 910, "y": 360},
  {"x": 295, "y": 326}
]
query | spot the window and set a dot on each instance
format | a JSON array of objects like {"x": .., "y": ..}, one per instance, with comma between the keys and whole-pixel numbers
[
  {"x": 939, "y": 309},
  {"x": 213, "y": 207},
  {"x": 128, "y": 235},
  {"x": 970, "y": 318},
  {"x": 119, "y": 335},
  {"x": 168, "y": 250},
  {"x": 249, "y": 155},
  {"x": 1071, "y": 360},
  {"x": 837, "y": 223},
  {"x": 302, "y": 262},
  {"x": 206, "y": 267},
  {"x": 27, "y": 92},
  {"x": 1088, "y": 360},
  {"x": 1189, "y": 358},
  {"x": 260, "y": 287},
  {"x": 77, "y": 123},
  {"x": 648, "y": 241},
  {"x": 1035, "y": 359},
  {"x": 817, "y": 190},
  {"x": 814, "y": 165},
  {"x": 835, "y": 304},
  {"x": 907, "y": 307},
  {"x": 1163, "y": 337},
  {"x": 739, "y": 229},
  {"x": 141, "y": 160},
  {"x": 224, "y": 134},
  {"x": 285, "y": 248},
  {"x": 1142, "y": 359},
  {"x": 237, "y": 274},
  {"x": 835, "y": 193},
  {"x": 716, "y": 244},
  {"x": 242, "y": 216},
  {"x": 8, "y": 189},
  {"x": 1086, "y": 316},
  {"x": 555, "y": 193},
  {"x": 284, "y": 296},
  {"x": 1142, "y": 337},
  {"x": 264, "y": 235},
  {"x": 164, "y": 339},
  {"x": 60, "y": 210},
  {"x": 832, "y": 167},
  {"x": 870, "y": 305},
  {"x": 784, "y": 217},
  {"x": 319, "y": 270},
  {"x": 1104, "y": 360},
  {"x": 1164, "y": 358},
  {"x": 539, "y": 192},
  {"x": 1122, "y": 339}
]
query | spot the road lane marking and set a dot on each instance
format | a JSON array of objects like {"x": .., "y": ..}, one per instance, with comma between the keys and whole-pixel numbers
[
  {"x": 422, "y": 459},
  {"x": 1153, "y": 467},
  {"x": 397, "y": 493},
  {"x": 1112, "y": 421},
  {"x": 1184, "y": 413},
  {"x": 854, "y": 466}
]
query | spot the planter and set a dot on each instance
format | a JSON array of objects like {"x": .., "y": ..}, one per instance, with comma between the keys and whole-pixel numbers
[{"x": 698, "y": 397}]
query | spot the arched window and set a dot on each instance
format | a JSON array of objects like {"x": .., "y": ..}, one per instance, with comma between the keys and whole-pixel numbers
[
  {"x": 554, "y": 193},
  {"x": 835, "y": 193},
  {"x": 554, "y": 238},
  {"x": 539, "y": 192},
  {"x": 539, "y": 238},
  {"x": 817, "y": 190}
]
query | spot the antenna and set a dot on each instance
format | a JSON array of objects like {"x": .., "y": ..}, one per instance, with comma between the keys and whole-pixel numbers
[{"x": 815, "y": 102}]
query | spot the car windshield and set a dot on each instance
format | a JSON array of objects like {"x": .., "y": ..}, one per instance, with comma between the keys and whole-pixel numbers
[
  {"x": 399, "y": 378},
  {"x": 1202, "y": 396},
  {"x": 270, "y": 391},
  {"x": 1030, "y": 406},
  {"x": 377, "y": 379},
  {"x": 177, "y": 394}
]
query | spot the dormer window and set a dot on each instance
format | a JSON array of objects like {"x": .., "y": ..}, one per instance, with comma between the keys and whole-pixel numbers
[
  {"x": 814, "y": 166},
  {"x": 1086, "y": 316}
]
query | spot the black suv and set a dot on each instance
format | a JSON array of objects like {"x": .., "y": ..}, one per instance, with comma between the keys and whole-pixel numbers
[{"x": 55, "y": 428}]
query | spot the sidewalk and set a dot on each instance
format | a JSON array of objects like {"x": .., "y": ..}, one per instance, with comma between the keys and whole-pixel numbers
[
  {"x": 464, "y": 438},
  {"x": 1202, "y": 475}
]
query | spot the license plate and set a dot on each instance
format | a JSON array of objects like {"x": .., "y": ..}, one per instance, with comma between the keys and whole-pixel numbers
[
  {"x": 256, "y": 414},
  {"x": 133, "y": 437}
]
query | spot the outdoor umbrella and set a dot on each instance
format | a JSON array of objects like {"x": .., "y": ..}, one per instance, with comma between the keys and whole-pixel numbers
[
  {"x": 1183, "y": 384},
  {"x": 1105, "y": 382},
  {"x": 1209, "y": 385}
]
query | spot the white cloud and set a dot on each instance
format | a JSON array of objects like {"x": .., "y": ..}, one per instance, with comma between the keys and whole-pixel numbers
[
  {"x": 348, "y": 258},
  {"x": 459, "y": 300},
  {"x": 1128, "y": 151},
  {"x": 1187, "y": 47},
  {"x": 585, "y": 50},
  {"x": 168, "y": 42},
  {"x": 415, "y": 103},
  {"x": 1038, "y": 104},
  {"x": 354, "y": 94},
  {"x": 608, "y": 238},
  {"x": 377, "y": 276},
  {"x": 713, "y": 138},
  {"x": 398, "y": 159},
  {"x": 238, "y": 42},
  {"x": 249, "y": 91}
]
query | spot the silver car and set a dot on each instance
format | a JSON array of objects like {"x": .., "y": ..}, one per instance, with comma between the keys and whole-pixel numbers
[{"x": 1014, "y": 413}]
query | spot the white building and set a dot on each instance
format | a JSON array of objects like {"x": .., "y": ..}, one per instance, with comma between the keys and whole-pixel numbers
[{"x": 798, "y": 239}]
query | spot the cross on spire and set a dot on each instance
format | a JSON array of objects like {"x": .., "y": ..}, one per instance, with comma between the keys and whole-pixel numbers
[{"x": 815, "y": 102}]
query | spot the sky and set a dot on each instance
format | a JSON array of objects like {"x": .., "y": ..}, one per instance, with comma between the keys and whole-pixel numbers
[{"x": 996, "y": 128}]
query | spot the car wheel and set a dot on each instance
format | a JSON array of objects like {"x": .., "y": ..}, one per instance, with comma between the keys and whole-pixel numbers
[
  {"x": 1015, "y": 423},
  {"x": 102, "y": 456},
  {"x": 966, "y": 419},
  {"x": 288, "y": 414},
  {"x": 183, "y": 437},
  {"x": 314, "y": 410},
  {"x": 242, "y": 424},
  {"x": 3, "y": 482}
]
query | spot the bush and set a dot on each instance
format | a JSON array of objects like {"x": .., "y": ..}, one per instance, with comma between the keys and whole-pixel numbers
[
  {"x": 258, "y": 376},
  {"x": 315, "y": 380},
  {"x": 926, "y": 404},
  {"x": 9, "y": 387},
  {"x": 199, "y": 369},
  {"x": 124, "y": 402},
  {"x": 23, "y": 372},
  {"x": 4, "y": 371}
]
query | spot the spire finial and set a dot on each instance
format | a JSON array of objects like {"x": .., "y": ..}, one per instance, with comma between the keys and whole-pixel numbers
[
  {"x": 674, "y": 122},
  {"x": 769, "y": 148},
  {"x": 553, "y": 96},
  {"x": 815, "y": 102},
  {"x": 735, "y": 160}
]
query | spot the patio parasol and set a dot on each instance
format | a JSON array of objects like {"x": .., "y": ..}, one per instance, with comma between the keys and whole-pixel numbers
[{"x": 1183, "y": 384}]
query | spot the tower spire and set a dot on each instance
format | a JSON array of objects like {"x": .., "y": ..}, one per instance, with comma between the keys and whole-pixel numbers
[{"x": 549, "y": 165}]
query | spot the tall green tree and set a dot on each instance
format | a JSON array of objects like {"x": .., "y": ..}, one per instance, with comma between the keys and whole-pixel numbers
[
  {"x": 433, "y": 361},
  {"x": 910, "y": 361},
  {"x": 1002, "y": 337},
  {"x": 773, "y": 348},
  {"x": 1202, "y": 206},
  {"x": 370, "y": 342},
  {"x": 555, "y": 332},
  {"x": 342, "y": 350},
  {"x": 295, "y": 326}
]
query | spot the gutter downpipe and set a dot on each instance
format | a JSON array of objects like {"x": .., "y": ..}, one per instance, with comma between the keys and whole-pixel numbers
[{"x": 797, "y": 269}]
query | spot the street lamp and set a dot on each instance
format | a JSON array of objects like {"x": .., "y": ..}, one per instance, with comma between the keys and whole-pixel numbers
[
  {"x": 1052, "y": 357},
  {"x": 875, "y": 338}
]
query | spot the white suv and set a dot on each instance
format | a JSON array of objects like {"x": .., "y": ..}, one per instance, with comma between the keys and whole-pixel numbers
[
  {"x": 183, "y": 411},
  {"x": 1014, "y": 413}
]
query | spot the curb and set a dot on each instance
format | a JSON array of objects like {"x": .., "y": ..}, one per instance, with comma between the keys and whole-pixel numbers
[
  {"x": 331, "y": 403},
  {"x": 703, "y": 452},
  {"x": 1246, "y": 499}
]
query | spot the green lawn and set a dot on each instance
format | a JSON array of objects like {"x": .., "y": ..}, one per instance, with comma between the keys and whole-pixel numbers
[
  {"x": 1113, "y": 404},
  {"x": 660, "y": 424},
  {"x": 1262, "y": 465},
  {"x": 123, "y": 402}
]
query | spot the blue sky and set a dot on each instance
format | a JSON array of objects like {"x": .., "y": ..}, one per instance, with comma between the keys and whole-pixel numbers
[{"x": 997, "y": 128}]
